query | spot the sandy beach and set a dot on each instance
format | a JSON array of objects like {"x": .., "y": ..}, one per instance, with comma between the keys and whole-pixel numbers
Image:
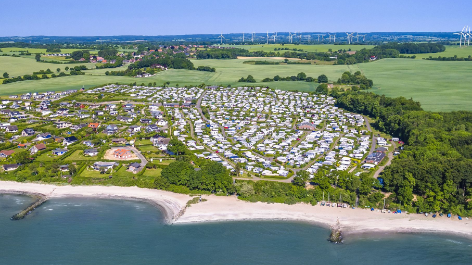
[{"x": 218, "y": 208}]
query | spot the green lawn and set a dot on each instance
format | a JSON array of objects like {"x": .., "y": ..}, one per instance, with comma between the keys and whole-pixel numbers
[
  {"x": 308, "y": 48},
  {"x": 152, "y": 172},
  {"x": 46, "y": 157},
  {"x": 90, "y": 173},
  {"x": 78, "y": 156}
]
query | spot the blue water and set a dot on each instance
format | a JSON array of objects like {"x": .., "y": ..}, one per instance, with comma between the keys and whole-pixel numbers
[{"x": 97, "y": 231}]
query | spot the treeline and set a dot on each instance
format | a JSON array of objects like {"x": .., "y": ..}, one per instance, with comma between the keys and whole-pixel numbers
[
  {"x": 45, "y": 74},
  {"x": 436, "y": 163},
  {"x": 222, "y": 53},
  {"x": 168, "y": 62},
  {"x": 77, "y": 55},
  {"x": 454, "y": 58},
  {"x": 412, "y": 48},
  {"x": 299, "y": 77},
  {"x": 206, "y": 68}
]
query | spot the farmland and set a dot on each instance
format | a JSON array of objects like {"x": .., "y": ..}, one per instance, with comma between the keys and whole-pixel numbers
[
  {"x": 307, "y": 48},
  {"x": 439, "y": 86},
  {"x": 16, "y": 66},
  {"x": 450, "y": 52}
]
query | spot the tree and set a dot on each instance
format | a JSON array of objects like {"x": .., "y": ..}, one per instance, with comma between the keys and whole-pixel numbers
[
  {"x": 322, "y": 79},
  {"x": 322, "y": 89},
  {"x": 245, "y": 189},
  {"x": 301, "y": 178},
  {"x": 72, "y": 169},
  {"x": 237, "y": 168},
  {"x": 301, "y": 76},
  {"x": 6, "y": 75},
  {"x": 67, "y": 68},
  {"x": 37, "y": 57},
  {"x": 250, "y": 79},
  {"x": 21, "y": 157},
  {"x": 58, "y": 70}
]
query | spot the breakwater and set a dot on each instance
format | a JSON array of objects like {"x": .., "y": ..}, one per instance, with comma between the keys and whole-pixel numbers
[{"x": 40, "y": 199}]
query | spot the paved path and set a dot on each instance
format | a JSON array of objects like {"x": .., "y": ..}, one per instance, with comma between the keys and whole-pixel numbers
[
  {"x": 374, "y": 139},
  {"x": 390, "y": 158}
]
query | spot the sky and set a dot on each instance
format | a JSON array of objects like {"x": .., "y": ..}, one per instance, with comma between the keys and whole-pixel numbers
[{"x": 157, "y": 17}]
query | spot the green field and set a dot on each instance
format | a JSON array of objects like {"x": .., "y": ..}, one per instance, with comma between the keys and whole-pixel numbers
[
  {"x": 450, "y": 52},
  {"x": 439, "y": 86},
  {"x": 307, "y": 48},
  {"x": 16, "y": 66}
]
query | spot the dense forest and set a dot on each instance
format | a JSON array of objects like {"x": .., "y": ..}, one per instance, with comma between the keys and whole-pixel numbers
[
  {"x": 412, "y": 48},
  {"x": 436, "y": 163}
]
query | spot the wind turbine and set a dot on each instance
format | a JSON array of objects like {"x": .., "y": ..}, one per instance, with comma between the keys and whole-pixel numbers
[
  {"x": 275, "y": 37},
  {"x": 468, "y": 35},
  {"x": 461, "y": 35},
  {"x": 221, "y": 37},
  {"x": 332, "y": 37},
  {"x": 252, "y": 38},
  {"x": 243, "y": 37},
  {"x": 319, "y": 35},
  {"x": 267, "y": 37},
  {"x": 349, "y": 37}
]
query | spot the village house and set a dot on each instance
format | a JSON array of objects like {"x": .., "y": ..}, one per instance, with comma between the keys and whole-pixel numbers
[
  {"x": 59, "y": 151},
  {"x": 94, "y": 125},
  {"x": 122, "y": 153},
  {"x": 10, "y": 167},
  {"x": 27, "y": 132},
  {"x": 6, "y": 153},
  {"x": 104, "y": 166},
  {"x": 37, "y": 148},
  {"x": 118, "y": 141},
  {"x": 134, "y": 167},
  {"x": 11, "y": 129},
  {"x": 91, "y": 152},
  {"x": 69, "y": 140}
]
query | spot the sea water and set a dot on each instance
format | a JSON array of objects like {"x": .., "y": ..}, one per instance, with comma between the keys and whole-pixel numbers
[{"x": 100, "y": 231}]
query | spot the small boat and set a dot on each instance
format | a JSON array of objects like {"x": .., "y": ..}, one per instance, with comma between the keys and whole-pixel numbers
[
  {"x": 434, "y": 215},
  {"x": 448, "y": 215},
  {"x": 426, "y": 214},
  {"x": 459, "y": 217},
  {"x": 323, "y": 203},
  {"x": 372, "y": 209},
  {"x": 441, "y": 214}
]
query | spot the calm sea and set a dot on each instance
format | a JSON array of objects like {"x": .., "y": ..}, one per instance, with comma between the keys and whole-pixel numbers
[{"x": 98, "y": 231}]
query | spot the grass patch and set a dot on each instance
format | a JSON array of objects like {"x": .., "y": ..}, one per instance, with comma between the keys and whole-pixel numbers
[{"x": 78, "y": 156}]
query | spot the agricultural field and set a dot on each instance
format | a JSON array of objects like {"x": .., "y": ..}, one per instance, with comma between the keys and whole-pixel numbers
[
  {"x": 439, "y": 86},
  {"x": 450, "y": 52},
  {"x": 16, "y": 66},
  {"x": 307, "y": 48}
]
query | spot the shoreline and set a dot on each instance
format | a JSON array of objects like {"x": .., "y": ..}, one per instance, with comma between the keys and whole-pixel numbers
[{"x": 231, "y": 209}]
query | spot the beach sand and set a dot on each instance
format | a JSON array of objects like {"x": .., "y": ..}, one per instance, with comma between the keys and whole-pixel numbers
[{"x": 222, "y": 208}]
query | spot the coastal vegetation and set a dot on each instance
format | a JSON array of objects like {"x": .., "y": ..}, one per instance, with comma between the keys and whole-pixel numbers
[{"x": 432, "y": 173}]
